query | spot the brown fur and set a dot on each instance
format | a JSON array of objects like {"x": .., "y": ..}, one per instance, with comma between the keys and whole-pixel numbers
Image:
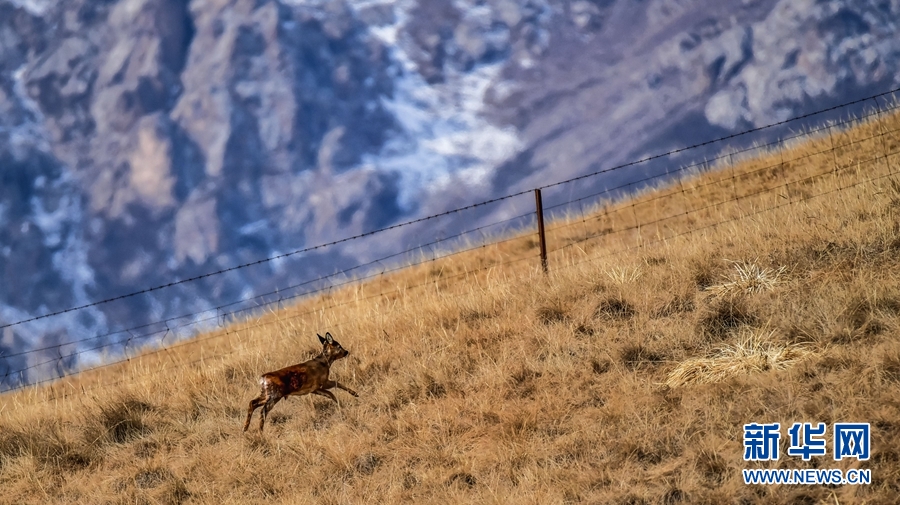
[{"x": 307, "y": 377}]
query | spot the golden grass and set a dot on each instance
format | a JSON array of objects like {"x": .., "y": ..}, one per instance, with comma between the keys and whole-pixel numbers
[
  {"x": 750, "y": 278},
  {"x": 753, "y": 353},
  {"x": 769, "y": 291}
]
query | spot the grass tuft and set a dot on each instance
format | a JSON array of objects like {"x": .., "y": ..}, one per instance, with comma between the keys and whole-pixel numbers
[
  {"x": 124, "y": 420},
  {"x": 754, "y": 353},
  {"x": 750, "y": 278},
  {"x": 549, "y": 314},
  {"x": 725, "y": 316},
  {"x": 636, "y": 356},
  {"x": 463, "y": 479},
  {"x": 624, "y": 275},
  {"x": 615, "y": 308},
  {"x": 890, "y": 368}
]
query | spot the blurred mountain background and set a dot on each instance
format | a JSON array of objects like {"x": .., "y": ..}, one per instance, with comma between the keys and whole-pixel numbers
[{"x": 147, "y": 141}]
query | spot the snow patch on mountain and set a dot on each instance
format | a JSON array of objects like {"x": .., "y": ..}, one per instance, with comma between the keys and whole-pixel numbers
[
  {"x": 29, "y": 135},
  {"x": 445, "y": 137},
  {"x": 34, "y": 7}
]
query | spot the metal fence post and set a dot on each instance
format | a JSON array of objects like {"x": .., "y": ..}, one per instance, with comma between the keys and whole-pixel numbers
[{"x": 539, "y": 204}]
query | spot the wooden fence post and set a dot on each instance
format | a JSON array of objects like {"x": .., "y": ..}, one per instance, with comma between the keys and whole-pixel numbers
[{"x": 539, "y": 204}]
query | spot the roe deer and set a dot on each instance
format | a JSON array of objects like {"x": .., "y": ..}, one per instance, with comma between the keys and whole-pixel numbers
[{"x": 307, "y": 377}]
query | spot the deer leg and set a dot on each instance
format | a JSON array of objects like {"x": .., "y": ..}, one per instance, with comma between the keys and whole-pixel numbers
[
  {"x": 336, "y": 384},
  {"x": 265, "y": 410},
  {"x": 326, "y": 394},
  {"x": 254, "y": 404}
]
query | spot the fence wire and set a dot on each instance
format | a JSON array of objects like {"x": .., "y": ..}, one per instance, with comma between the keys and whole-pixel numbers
[{"x": 595, "y": 206}]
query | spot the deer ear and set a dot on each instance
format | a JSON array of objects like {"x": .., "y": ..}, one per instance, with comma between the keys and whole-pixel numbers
[
  {"x": 328, "y": 337},
  {"x": 321, "y": 339}
]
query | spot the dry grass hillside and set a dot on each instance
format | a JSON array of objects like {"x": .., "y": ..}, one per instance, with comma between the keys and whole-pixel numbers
[{"x": 764, "y": 292}]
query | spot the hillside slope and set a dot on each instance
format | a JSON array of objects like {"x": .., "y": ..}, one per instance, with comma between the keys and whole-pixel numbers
[
  {"x": 761, "y": 292},
  {"x": 143, "y": 141}
]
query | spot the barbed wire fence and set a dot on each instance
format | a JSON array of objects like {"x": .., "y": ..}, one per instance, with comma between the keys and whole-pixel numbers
[{"x": 571, "y": 204}]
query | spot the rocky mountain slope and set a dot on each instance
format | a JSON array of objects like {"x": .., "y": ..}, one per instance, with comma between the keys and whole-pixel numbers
[{"x": 145, "y": 141}]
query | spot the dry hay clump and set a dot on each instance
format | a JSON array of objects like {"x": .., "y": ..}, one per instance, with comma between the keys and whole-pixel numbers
[
  {"x": 749, "y": 278},
  {"x": 622, "y": 275},
  {"x": 753, "y": 353}
]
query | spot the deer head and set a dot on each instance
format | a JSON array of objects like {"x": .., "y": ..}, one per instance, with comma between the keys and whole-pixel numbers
[{"x": 331, "y": 348}]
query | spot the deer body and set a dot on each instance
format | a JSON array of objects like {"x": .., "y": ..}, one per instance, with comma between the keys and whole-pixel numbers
[{"x": 296, "y": 380}]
